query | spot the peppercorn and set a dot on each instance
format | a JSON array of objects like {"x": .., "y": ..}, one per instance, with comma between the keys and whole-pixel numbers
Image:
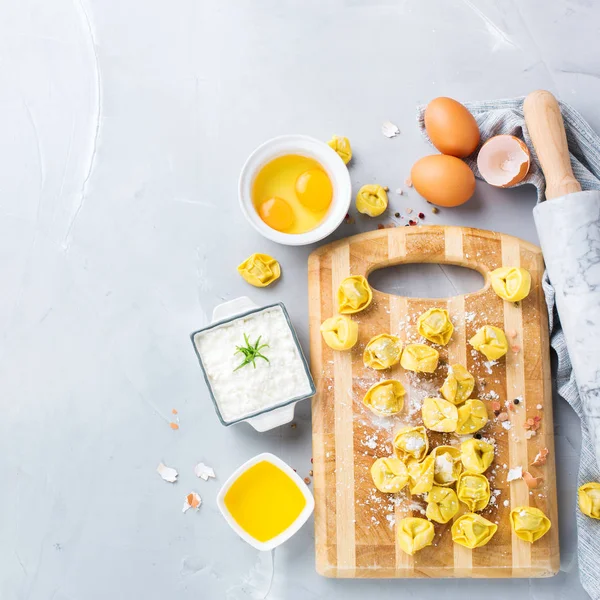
[
  {"x": 516, "y": 401},
  {"x": 421, "y": 215},
  {"x": 397, "y": 215},
  {"x": 477, "y": 436}
]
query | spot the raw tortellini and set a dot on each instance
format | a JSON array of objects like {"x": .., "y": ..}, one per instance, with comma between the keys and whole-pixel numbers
[
  {"x": 411, "y": 443},
  {"x": 490, "y": 341},
  {"x": 260, "y": 270},
  {"x": 472, "y": 416},
  {"x": 421, "y": 475},
  {"x": 511, "y": 283},
  {"x": 476, "y": 455},
  {"x": 382, "y": 352},
  {"x": 385, "y": 398},
  {"x": 339, "y": 332},
  {"x": 442, "y": 504},
  {"x": 342, "y": 147},
  {"x": 354, "y": 295},
  {"x": 439, "y": 415},
  {"x": 389, "y": 475},
  {"x": 371, "y": 200},
  {"x": 473, "y": 490},
  {"x": 447, "y": 466},
  {"x": 435, "y": 325},
  {"x": 458, "y": 385},
  {"x": 529, "y": 523},
  {"x": 589, "y": 499},
  {"x": 473, "y": 531},
  {"x": 420, "y": 358},
  {"x": 414, "y": 534}
]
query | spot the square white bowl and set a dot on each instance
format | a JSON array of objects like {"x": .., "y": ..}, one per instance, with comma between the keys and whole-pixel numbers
[
  {"x": 293, "y": 528},
  {"x": 270, "y": 416}
]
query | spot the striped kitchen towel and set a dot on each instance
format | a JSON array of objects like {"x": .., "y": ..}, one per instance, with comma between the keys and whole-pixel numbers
[{"x": 506, "y": 117}]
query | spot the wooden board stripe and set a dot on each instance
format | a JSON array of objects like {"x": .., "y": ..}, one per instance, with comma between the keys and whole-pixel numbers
[
  {"x": 398, "y": 309},
  {"x": 515, "y": 388},
  {"x": 344, "y": 435},
  {"x": 457, "y": 353}
]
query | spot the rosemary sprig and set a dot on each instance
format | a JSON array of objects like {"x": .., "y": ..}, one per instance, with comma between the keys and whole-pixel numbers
[{"x": 251, "y": 352}]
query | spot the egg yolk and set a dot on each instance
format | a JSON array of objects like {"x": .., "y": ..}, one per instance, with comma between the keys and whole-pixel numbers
[
  {"x": 277, "y": 213},
  {"x": 314, "y": 190}
]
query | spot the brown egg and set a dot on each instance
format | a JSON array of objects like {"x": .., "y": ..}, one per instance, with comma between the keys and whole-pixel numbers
[
  {"x": 451, "y": 127},
  {"x": 443, "y": 180}
]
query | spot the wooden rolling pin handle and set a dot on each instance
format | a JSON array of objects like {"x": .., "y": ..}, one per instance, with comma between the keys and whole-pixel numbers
[{"x": 547, "y": 131}]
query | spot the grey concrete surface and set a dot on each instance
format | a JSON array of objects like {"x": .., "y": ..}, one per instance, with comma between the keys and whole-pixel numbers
[{"x": 124, "y": 126}]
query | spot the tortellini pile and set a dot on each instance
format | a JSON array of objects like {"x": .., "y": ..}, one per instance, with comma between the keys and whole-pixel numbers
[
  {"x": 414, "y": 534},
  {"x": 473, "y": 490},
  {"x": 452, "y": 473},
  {"x": 435, "y": 325},
  {"x": 382, "y": 352},
  {"x": 511, "y": 283},
  {"x": 439, "y": 415},
  {"x": 371, "y": 200},
  {"x": 589, "y": 499},
  {"x": 354, "y": 295},
  {"x": 420, "y": 358},
  {"x": 260, "y": 270},
  {"x": 490, "y": 341},
  {"x": 458, "y": 385},
  {"x": 529, "y": 523},
  {"x": 340, "y": 332},
  {"x": 389, "y": 474},
  {"x": 473, "y": 531},
  {"x": 385, "y": 398}
]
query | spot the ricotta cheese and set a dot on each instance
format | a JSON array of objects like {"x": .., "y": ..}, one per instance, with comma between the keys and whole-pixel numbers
[{"x": 251, "y": 389}]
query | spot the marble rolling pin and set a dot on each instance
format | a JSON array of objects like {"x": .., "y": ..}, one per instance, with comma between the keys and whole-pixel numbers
[{"x": 568, "y": 225}]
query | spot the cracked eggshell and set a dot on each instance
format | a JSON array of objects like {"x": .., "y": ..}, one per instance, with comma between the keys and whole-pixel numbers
[{"x": 504, "y": 160}]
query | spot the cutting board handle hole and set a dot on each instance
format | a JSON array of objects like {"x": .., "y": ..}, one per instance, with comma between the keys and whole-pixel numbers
[{"x": 423, "y": 280}]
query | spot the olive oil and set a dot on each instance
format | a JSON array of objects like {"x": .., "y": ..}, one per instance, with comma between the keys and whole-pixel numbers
[{"x": 264, "y": 501}]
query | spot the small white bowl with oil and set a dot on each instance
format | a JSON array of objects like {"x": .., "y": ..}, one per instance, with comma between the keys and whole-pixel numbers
[
  {"x": 310, "y": 148},
  {"x": 265, "y": 502}
]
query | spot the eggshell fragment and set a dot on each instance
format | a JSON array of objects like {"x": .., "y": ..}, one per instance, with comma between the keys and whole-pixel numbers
[
  {"x": 541, "y": 457},
  {"x": 389, "y": 129},
  {"x": 203, "y": 471},
  {"x": 167, "y": 473},
  {"x": 531, "y": 481},
  {"x": 443, "y": 180},
  {"x": 192, "y": 500},
  {"x": 451, "y": 128},
  {"x": 504, "y": 160},
  {"x": 514, "y": 474}
]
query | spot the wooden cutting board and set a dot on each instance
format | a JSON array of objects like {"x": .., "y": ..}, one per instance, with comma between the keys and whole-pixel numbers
[{"x": 354, "y": 523}]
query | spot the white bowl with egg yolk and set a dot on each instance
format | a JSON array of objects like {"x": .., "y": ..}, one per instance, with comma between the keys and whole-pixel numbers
[{"x": 305, "y": 146}]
